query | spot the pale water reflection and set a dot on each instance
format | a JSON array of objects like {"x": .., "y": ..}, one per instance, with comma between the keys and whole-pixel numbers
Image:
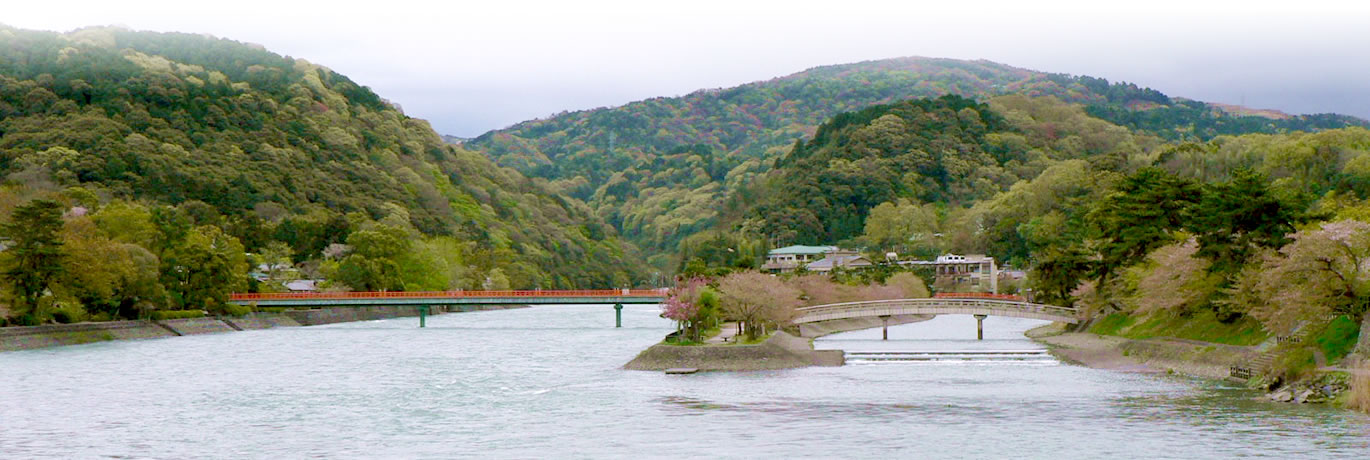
[{"x": 545, "y": 382}]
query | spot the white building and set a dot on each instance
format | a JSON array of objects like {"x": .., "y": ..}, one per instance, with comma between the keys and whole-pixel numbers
[{"x": 978, "y": 271}]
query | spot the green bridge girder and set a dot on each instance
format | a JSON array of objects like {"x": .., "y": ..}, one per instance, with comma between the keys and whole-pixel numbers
[
  {"x": 399, "y": 301},
  {"x": 425, "y": 303}
]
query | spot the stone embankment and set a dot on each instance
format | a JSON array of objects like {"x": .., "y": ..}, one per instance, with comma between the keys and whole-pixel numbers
[
  {"x": 25, "y": 338},
  {"x": 780, "y": 351}
]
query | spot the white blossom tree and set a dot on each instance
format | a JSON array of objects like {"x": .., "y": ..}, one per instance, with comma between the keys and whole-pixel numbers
[{"x": 1321, "y": 272}]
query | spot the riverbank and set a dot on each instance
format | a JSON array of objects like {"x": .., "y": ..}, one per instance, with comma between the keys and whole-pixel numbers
[
  {"x": 779, "y": 351},
  {"x": 1194, "y": 358},
  {"x": 54, "y": 335},
  {"x": 1154, "y": 355}
]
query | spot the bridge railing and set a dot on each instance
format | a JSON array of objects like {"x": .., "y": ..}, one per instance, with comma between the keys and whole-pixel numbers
[
  {"x": 988, "y": 304},
  {"x": 247, "y": 297}
]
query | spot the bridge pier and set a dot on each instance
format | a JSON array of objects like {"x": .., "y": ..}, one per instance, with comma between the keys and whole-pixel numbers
[
  {"x": 618, "y": 315},
  {"x": 885, "y": 333},
  {"x": 980, "y": 327},
  {"x": 423, "y": 316}
]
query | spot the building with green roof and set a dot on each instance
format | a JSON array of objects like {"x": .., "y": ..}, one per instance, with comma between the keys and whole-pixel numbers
[{"x": 790, "y": 258}]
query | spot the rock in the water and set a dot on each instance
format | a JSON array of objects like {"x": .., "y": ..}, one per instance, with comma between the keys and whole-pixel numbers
[
  {"x": 1282, "y": 395},
  {"x": 1303, "y": 396}
]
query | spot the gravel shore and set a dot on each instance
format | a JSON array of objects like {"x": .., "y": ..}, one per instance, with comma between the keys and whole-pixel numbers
[
  {"x": 1090, "y": 350},
  {"x": 1153, "y": 355}
]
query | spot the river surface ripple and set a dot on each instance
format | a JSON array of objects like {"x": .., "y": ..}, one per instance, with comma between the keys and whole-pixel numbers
[{"x": 545, "y": 382}]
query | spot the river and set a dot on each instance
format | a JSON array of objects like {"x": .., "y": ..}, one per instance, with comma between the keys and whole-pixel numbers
[{"x": 545, "y": 382}]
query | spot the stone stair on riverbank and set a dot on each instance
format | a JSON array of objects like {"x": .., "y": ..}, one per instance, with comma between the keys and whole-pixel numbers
[{"x": 1260, "y": 365}]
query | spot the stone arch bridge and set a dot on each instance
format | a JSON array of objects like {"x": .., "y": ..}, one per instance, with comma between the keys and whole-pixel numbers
[{"x": 979, "y": 306}]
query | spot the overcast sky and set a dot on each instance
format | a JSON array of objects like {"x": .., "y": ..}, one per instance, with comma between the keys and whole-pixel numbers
[{"x": 470, "y": 67}]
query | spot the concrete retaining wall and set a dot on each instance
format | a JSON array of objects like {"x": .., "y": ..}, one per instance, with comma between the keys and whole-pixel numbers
[
  {"x": 261, "y": 321},
  {"x": 25, "y": 338},
  {"x": 192, "y": 326}
]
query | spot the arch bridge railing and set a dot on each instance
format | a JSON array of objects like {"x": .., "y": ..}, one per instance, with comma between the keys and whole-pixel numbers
[{"x": 939, "y": 305}]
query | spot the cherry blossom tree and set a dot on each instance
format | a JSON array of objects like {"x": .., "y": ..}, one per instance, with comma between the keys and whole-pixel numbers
[
  {"x": 1173, "y": 279},
  {"x": 757, "y": 299},
  {"x": 688, "y": 305},
  {"x": 1321, "y": 272}
]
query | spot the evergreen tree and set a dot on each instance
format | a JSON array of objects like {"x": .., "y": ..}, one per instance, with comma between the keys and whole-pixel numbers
[
  {"x": 35, "y": 255},
  {"x": 1235, "y": 218},
  {"x": 1139, "y": 216}
]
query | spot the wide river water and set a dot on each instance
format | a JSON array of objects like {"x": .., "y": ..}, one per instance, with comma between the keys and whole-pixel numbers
[{"x": 545, "y": 383}]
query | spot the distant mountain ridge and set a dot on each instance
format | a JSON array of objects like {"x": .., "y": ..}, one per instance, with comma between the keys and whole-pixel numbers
[
  {"x": 275, "y": 145},
  {"x": 658, "y": 169}
]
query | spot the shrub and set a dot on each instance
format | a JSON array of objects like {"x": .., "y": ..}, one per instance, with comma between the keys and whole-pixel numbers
[
  {"x": 1295, "y": 364},
  {"x": 177, "y": 314},
  {"x": 67, "y": 313},
  {"x": 236, "y": 310},
  {"x": 1360, "y": 388},
  {"x": 1338, "y": 338}
]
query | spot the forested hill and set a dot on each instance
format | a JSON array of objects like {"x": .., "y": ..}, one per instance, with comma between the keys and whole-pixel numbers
[
  {"x": 659, "y": 168},
  {"x": 273, "y": 150}
]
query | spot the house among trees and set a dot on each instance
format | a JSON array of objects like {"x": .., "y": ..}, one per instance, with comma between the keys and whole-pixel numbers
[
  {"x": 303, "y": 286},
  {"x": 850, "y": 260},
  {"x": 975, "y": 272},
  {"x": 815, "y": 258}
]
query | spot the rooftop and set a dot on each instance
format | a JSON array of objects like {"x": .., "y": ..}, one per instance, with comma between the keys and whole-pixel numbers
[
  {"x": 828, "y": 263},
  {"x": 801, "y": 249},
  {"x": 951, "y": 259}
]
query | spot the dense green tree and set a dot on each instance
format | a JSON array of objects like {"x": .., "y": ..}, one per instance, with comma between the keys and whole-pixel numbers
[
  {"x": 115, "y": 280},
  {"x": 1140, "y": 214},
  {"x": 909, "y": 228},
  {"x": 1235, "y": 218},
  {"x": 715, "y": 253},
  {"x": 374, "y": 264},
  {"x": 203, "y": 268},
  {"x": 1058, "y": 272},
  {"x": 35, "y": 257}
]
